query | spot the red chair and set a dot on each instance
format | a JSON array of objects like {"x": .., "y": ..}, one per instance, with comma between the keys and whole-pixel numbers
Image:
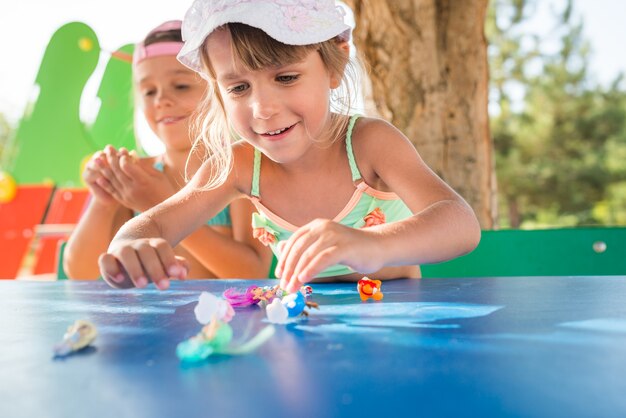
[
  {"x": 66, "y": 207},
  {"x": 17, "y": 222}
]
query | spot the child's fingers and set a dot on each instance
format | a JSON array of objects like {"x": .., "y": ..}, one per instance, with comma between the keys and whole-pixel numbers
[
  {"x": 313, "y": 251},
  {"x": 143, "y": 261},
  {"x": 112, "y": 273},
  {"x": 111, "y": 155},
  {"x": 293, "y": 285},
  {"x": 172, "y": 266},
  {"x": 112, "y": 181},
  {"x": 129, "y": 258},
  {"x": 323, "y": 243},
  {"x": 107, "y": 186},
  {"x": 115, "y": 174},
  {"x": 91, "y": 175},
  {"x": 94, "y": 166},
  {"x": 127, "y": 165},
  {"x": 98, "y": 160},
  {"x": 132, "y": 169},
  {"x": 307, "y": 249},
  {"x": 91, "y": 165},
  {"x": 90, "y": 178},
  {"x": 301, "y": 241},
  {"x": 313, "y": 266},
  {"x": 153, "y": 260},
  {"x": 104, "y": 182},
  {"x": 285, "y": 253},
  {"x": 100, "y": 193},
  {"x": 182, "y": 270},
  {"x": 300, "y": 250}
]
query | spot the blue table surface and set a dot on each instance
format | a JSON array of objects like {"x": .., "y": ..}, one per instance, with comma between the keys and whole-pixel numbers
[{"x": 506, "y": 347}]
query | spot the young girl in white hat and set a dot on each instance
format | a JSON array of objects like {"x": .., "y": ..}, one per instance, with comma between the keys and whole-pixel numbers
[{"x": 337, "y": 196}]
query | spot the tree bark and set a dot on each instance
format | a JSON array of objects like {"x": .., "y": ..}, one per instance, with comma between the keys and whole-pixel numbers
[
  {"x": 515, "y": 219},
  {"x": 428, "y": 75}
]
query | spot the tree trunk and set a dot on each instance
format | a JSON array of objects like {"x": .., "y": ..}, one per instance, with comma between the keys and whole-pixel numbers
[
  {"x": 428, "y": 75},
  {"x": 515, "y": 219}
]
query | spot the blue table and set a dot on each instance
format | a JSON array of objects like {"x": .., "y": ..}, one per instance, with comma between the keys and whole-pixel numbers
[{"x": 519, "y": 347}]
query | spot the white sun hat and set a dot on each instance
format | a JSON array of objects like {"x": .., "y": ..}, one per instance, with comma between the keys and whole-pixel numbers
[{"x": 292, "y": 22}]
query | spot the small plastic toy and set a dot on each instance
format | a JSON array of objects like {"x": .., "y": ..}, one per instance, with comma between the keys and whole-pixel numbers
[
  {"x": 290, "y": 306},
  {"x": 213, "y": 338},
  {"x": 78, "y": 336},
  {"x": 252, "y": 296},
  {"x": 216, "y": 335},
  {"x": 255, "y": 295},
  {"x": 369, "y": 288},
  {"x": 277, "y": 312},
  {"x": 294, "y": 303}
]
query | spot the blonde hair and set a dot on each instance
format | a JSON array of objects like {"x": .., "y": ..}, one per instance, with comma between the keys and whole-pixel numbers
[{"x": 255, "y": 50}]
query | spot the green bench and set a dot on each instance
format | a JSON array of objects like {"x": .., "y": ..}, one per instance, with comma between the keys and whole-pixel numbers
[{"x": 545, "y": 252}]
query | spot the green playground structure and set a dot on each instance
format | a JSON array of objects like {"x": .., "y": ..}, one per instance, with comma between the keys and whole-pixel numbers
[
  {"x": 51, "y": 141},
  {"x": 41, "y": 192}
]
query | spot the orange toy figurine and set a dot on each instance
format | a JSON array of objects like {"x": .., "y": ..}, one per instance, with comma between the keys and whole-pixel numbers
[{"x": 369, "y": 288}]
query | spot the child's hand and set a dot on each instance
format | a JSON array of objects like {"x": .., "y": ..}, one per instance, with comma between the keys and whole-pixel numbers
[
  {"x": 96, "y": 182},
  {"x": 321, "y": 244},
  {"x": 134, "y": 182},
  {"x": 139, "y": 262}
]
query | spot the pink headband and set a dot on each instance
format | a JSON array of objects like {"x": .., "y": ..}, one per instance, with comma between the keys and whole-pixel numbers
[
  {"x": 155, "y": 50},
  {"x": 158, "y": 48}
]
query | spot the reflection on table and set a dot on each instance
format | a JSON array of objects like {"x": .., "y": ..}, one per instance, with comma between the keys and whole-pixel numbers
[{"x": 534, "y": 346}]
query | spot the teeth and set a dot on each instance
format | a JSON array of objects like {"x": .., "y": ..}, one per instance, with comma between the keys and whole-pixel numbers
[
  {"x": 169, "y": 120},
  {"x": 276, "y": 132}
]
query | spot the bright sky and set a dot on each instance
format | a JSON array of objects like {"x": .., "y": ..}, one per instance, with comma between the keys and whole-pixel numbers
[{"x": 27, "y": 25}]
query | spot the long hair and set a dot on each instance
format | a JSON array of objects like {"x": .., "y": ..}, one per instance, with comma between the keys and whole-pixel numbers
[{"x": 255, "y": 50}]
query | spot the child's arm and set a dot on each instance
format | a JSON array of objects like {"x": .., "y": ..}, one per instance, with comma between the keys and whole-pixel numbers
[
  {"x": 239, "y": 256},
  {"x": 443, "y": 225},
  {"x": 96, "y": 227},
  {"x": 142, "y": 250}
]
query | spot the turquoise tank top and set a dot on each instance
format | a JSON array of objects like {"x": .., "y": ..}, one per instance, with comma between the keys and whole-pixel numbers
[{"x": 367, "y": 207}]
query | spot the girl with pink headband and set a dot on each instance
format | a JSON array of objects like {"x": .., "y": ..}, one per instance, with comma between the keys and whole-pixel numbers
[
  {"x": 337, "y": 195},
  {"x": 123, "y": 185}
]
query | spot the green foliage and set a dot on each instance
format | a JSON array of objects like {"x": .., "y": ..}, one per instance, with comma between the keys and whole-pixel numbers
[{"x": 559, "y": 138}]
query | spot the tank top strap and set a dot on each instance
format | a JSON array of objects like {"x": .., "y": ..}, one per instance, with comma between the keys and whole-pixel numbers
[
  {"x": 256, "y": 174},
  {"x": 356, "y": 174},
  {"x": 159, "y": 164}
]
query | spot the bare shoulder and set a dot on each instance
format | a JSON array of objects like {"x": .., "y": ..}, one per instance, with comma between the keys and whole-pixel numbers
[
  {"x": 372, "y": 135},
  {"x": 243, "y": 163},
  {"x": 378, "y": 144},
  {"x": 369, "y": 127},
  {"x": 388, "y": 161}
]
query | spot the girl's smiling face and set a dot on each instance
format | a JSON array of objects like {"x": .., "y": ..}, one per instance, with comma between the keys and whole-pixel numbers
[
  {"x": 278, "y": 109},
  {"x": 169, "y": 93}
]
